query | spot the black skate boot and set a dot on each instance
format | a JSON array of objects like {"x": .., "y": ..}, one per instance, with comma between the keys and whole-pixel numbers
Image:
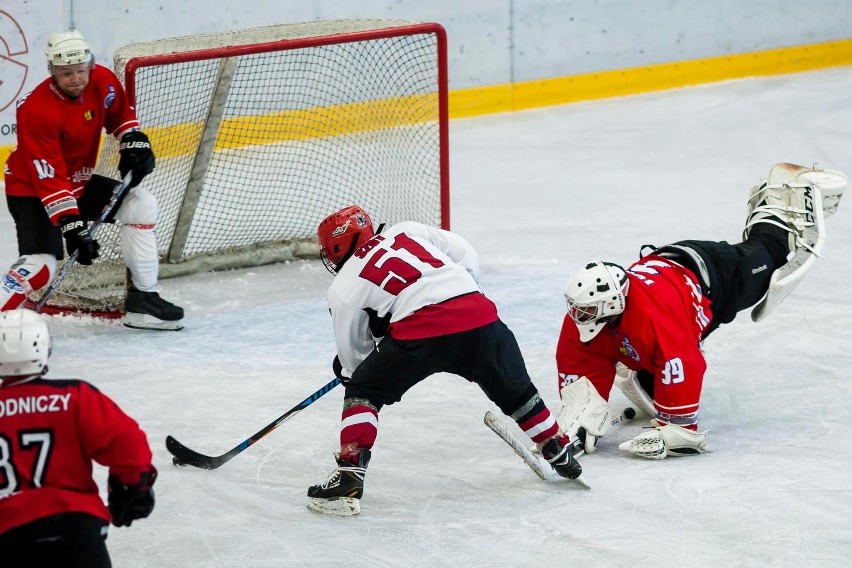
[
  {"x": 341, "y": 493},
  {"x": 560, "y": 455},
  {"x": 147, "y": 310}
]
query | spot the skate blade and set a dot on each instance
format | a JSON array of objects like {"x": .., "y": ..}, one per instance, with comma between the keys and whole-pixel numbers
[
  {"x": 342, "y": 507},
  {"x": 146, "y": 321}
]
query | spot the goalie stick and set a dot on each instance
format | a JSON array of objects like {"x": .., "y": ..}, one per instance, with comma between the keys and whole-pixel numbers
[
  {"x": 117, "y": 194},
  {"x": 186, "y": 456},
  {"x": 536, "y": 461}
]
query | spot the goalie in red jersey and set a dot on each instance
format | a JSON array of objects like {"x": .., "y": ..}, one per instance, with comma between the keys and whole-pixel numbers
[
  {"x": 50, "y": 433},
  {"x": 53, "y": 193},
  {"x": 642, "y": 327}
]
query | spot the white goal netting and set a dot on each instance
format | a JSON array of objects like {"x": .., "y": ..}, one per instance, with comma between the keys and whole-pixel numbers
[{"x": 261, "y": 133}]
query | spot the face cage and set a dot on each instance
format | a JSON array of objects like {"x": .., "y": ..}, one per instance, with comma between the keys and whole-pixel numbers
[
  {"x": 329, "y": 264},
  {"x": 584, "y": 313}
]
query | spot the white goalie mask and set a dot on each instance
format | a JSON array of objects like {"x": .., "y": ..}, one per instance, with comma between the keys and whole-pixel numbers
[
  {"x": 67, "y": 48},
  {"x": 24, "y": 344},
  {"x": 595, "y": 294}
]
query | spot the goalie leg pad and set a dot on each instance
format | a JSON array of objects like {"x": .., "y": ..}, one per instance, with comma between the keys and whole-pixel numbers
[
  {"x": 663, "y": 441},
  {"x": 831, "y": 183},
  {"x": 138, "y": 217},
  {"x": 583, "y": 408},
  {"x": 628, "y": 382},
  {"x": 808, "y": 245},
  {"x": 30, "y": 273},
  {"x": 802, "y": 198}
]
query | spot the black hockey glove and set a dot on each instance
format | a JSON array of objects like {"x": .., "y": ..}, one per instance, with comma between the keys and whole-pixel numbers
[
  {"x": 135, "y": 156},
  {"x": 130, "y": 502},
  {"x": 75, "y": 229},
  {"x": 337, "y": 367}
]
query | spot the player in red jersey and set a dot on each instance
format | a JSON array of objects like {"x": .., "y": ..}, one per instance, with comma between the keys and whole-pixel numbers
[
  {"x": 52, "y": 192},
  {"x": 643, "y": 327},
  {"x": 405, "y": 304},
  {"x": 50, "y": 432}
]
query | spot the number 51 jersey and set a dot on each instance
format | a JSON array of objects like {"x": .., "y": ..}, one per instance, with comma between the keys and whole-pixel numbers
[{"x": 411, "y": 281}]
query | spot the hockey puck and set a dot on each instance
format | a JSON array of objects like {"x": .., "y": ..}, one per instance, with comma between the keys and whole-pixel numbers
[
  {"x": 628, "y": 413},
  {"x": 177, "y": 462}
]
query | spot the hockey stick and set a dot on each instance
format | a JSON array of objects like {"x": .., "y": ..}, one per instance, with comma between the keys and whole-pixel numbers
[
  {"x": 534, "y": 460},
  {"x": 186, "y": 456},
  {"x": 117, "y": 194}
]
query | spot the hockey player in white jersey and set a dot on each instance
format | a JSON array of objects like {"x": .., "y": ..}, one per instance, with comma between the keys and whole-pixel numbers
[{"x": 405, "y": 304}]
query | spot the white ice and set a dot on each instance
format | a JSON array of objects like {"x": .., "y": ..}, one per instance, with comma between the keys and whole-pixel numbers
[{"x": 538, "y": 193}]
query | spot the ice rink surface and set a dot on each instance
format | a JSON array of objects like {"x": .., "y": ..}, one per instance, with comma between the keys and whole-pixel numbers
[{"x": 537, "y": 193}]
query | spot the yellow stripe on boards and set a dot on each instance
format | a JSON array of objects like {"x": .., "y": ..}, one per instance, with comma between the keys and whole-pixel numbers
[
  {"x": 302, "y": 124},
  {"x": 620, "y": 82},
  {"x": 376, "y": 115}
]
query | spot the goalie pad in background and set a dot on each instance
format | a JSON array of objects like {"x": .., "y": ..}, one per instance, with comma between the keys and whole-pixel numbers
[
  {"x": 583, "y": 410},
  {"x": 628, "y": 383},
  {"x": 815, "y": 195}
]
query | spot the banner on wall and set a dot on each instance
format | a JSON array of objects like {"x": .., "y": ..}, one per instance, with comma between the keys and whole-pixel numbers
[{"x": 14, "y": 71}]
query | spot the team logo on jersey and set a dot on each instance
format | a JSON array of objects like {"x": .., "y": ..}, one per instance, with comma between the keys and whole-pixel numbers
[
  {"x": 108, "y": 100},
  {"x": 88, "y": 115},
  {"x": 627, "y": 350}
]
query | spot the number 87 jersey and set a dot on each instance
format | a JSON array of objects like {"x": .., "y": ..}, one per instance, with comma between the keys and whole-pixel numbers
[{"x": 411, "y": 281}]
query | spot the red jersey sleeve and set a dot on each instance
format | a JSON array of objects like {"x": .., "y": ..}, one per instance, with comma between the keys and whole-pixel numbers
[
  {"x": 39, "y": 149},
  {"x": 120, "y": 115},
  {"x": 111, "y": 437},
  {"x": 575, "y": 359}
]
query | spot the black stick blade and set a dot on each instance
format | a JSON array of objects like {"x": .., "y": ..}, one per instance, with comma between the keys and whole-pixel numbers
[{"x": 186, "y": 456}]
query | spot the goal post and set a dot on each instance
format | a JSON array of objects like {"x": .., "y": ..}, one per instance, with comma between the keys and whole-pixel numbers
[{"x": 261, "y": 133}]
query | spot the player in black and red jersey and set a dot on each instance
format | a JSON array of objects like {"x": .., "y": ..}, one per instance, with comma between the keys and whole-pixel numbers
[
  {"x": 642, "y": 328},
  {"x": 52, "y": 192},
  {"x": 50, "y": 433}
]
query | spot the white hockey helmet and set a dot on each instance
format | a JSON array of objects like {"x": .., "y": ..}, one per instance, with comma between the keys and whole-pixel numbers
[
  {"x": 24, "y": 344},
  {"x": 595, "y": 294},
  {"x": 67, "y": 48}
]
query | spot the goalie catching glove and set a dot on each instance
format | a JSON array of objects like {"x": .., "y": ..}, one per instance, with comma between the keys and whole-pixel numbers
[
  {"x": 135, "y": 155},
  {"x": 662, "y": 441},
  {"x": 584, "y": 413}
]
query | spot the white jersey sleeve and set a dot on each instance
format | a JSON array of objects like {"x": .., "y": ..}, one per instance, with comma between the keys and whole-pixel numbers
[
  {"x": 454, "y": 246},
  {"x": 403, "y": 269}
]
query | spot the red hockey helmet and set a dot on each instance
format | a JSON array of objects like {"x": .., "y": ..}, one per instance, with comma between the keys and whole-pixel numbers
[{"x": 341, "y": 233}]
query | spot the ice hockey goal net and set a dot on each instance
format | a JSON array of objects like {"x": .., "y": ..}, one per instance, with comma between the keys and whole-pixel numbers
[{"x": 261, "y": 133}]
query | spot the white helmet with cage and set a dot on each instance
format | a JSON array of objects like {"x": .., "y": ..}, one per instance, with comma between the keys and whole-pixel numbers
[
  {"x": 595, "y": 294},
  {"x": 24, "y": 344},
  {"x": 67, "y": 48}
]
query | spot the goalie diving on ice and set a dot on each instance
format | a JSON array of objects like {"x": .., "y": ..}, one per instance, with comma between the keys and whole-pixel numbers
[{"x": 642, "y": 327}]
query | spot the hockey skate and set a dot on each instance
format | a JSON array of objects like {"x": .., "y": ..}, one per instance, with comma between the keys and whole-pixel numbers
[
  {"x": 341, "y": 493},
  {"x": 792, "y": 200},
  {"x": 560, "y": 455},
  {"x": 147, "y": 310}
]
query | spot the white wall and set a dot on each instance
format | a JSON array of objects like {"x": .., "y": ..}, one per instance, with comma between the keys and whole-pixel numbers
[{"x": 490, "y": 42}]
